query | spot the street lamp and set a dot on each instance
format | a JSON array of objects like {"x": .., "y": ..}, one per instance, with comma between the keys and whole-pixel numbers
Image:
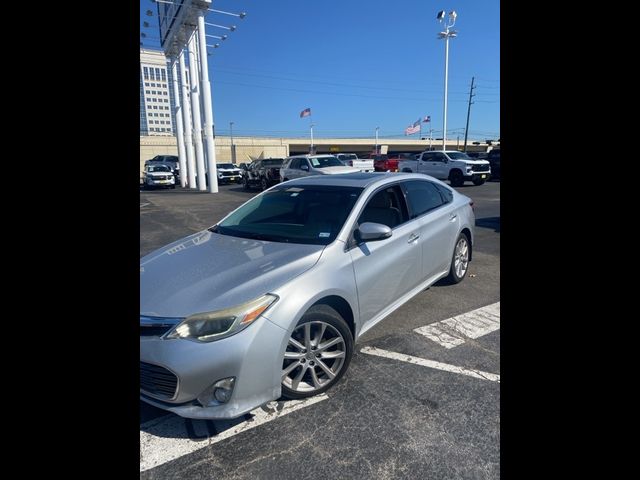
[
  {"x": 232, "y": 28},
  {"x": 377, "y": 128},
  {"x": 446, "y": 34},
  {"x": 233, "y": 147}
]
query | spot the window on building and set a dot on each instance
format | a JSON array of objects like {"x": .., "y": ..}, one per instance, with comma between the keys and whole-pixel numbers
[
  {"x": 147, "y": 92},
  {"x": 146, "y": 73},
  {"x": 164, "y": 75}
]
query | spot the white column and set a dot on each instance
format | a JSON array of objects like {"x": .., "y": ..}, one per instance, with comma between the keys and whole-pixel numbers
[
  {"x": 179, "y": 130},
  {"x": 208, "y": 109},
  {"x": 186, "y": 110},
  {"x": 195, "y": 108}
]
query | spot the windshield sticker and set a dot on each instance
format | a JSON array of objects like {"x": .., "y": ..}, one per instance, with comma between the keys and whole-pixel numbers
[
  {"x": 314, "y": 162},
  {"x": 324, "y": 234}
]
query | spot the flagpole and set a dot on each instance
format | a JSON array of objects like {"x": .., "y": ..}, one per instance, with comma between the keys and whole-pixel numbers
[{"x": 311, "y": 151}]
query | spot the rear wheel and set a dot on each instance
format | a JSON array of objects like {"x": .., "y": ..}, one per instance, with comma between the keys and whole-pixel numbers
[
  {"x": 456, "y": 178},
  {"x": 317, "y": 354},
  {"x": 264, "y": 184},
  {"x": 460, "y": 260}
]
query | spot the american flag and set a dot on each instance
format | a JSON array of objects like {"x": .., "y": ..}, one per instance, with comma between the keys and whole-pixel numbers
[
  {"x": 411, "y": 130},
  {"x": 417, "y": 123},
  {"x": 305, "y": 113},
  {"x": 427, "y": 119}
]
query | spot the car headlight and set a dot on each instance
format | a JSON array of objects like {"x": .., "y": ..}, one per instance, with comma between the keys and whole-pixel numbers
[{"x": 212, "y": 326}]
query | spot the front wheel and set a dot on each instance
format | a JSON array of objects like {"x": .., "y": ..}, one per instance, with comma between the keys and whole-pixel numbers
[
  {"x": 264, "y": 184},
  {"x": 456, "y": 178},
  {"x": 479, "y": 181},
  {"x": 460, "y": 260},
  {"x": 245, "y": 183},
  {"x": 317, "y": 354}
]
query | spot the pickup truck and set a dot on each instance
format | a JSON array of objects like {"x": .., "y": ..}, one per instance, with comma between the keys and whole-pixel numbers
[
  {"x": 352, "y": 160},
  {"x": 452, "y": 165},
  {"x": 382, "y": 162},
  {"x": 493, "y": 157},
  {"x": 262, "y": 173}
]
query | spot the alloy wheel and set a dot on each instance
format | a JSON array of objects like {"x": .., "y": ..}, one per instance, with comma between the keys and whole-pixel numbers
[
  {"x": 461, "y": 259},
  {"x": 314, "y": 356}
]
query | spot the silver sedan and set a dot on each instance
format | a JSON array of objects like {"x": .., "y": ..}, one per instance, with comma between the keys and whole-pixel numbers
[{"x": 270, "y": 301}]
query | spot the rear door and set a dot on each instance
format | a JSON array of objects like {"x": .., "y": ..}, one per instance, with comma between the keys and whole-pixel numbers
[
  {"x": 385, "y": 270},
  {"x": 437, "y": 221}
]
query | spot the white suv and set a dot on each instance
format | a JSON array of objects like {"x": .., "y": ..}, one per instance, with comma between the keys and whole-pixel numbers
[
  {"x": 158, "y": 175},
  {"x": 452, "y": 165},
  {"x": 305, "y": 165}
]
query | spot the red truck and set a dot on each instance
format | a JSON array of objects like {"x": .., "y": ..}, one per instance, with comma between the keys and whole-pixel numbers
[{"x": 383, "y": 163}]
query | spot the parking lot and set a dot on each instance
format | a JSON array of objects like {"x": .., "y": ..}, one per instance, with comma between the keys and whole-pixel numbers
[{"x": 415, "y": 403}]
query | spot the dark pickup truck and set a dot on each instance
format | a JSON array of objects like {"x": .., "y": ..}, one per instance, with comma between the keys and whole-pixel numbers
[
  {"x": 262, "y": 173},
  {"x": 494, "y": 159}
]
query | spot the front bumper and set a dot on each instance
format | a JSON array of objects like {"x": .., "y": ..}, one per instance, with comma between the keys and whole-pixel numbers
[
  {"x": 235, "y": 178},
  {"x": 478, "y": 176},
  {"x": 253, "y": 356}
]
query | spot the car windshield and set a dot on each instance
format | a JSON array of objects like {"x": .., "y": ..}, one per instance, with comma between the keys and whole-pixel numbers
[
  {"x": 351, "y": 156},
  {"x": 273, "y": 163},
  {"x": 458, "y": 156},
  {"x": 323, "y": 162},
  {"x": 159, "y": 168},
  {"x": 293, "y": 214},
  {"x": 226, "y": 165}
]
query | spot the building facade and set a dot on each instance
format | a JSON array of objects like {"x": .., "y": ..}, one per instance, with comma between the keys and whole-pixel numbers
[{"x": 156, "y": 94}]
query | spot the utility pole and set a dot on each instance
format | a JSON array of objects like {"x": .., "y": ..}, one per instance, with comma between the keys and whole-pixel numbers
[{"x": 466, "y": 130}]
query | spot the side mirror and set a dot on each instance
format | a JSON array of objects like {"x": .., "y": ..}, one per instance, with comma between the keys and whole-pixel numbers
[
  {"x": 305, "y": 168},
  {"x": 371, "y": 232}
]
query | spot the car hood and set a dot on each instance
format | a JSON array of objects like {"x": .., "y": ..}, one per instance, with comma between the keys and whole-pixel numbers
[
  {"x": 474, "y": 162},
  {"x": 207, "y": 271},
  {"x": 337, "y": 170}
]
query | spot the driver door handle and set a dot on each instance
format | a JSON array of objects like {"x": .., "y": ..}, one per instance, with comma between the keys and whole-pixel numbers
[
  {"x": 453, "y": 217},
  {"x": 413, "y": 237}
]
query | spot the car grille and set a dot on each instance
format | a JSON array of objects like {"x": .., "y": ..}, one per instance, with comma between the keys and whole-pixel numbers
[
  {"x": 160, "y": 177},
  {"x": 481, "y": 168},
  {"x": 157, "y": 381},
  {"x": 230, "y": 174}
]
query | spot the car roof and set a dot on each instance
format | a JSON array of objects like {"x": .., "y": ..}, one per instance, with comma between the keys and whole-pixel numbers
[
  {"x": 307, "y": 155},
  {"x": 361, "y": 179}
]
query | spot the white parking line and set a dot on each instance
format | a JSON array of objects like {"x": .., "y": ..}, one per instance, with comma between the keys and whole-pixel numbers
[
  {"x": 453, "y": 331},
  {"x": 166, "y": 438},
  {"x": 430, "y": 363},
  {"x": 145, "y": 204}
]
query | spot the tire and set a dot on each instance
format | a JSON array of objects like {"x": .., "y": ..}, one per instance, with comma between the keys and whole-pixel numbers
[
  {"x": 173, "y": 187},
  {"x": 456, "y": 178},
  {"x": 479, "y": 181},
  {"x": 263, "y": 184},
  {"x": 306, "y": 361},
  {"x": 245, "y": 183},
  {"x": 407, "y": 170},
  {"x": 457, "y": 272}
]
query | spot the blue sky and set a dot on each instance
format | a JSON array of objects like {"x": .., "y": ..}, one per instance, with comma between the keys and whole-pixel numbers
[{"x": 358, "y": 64}]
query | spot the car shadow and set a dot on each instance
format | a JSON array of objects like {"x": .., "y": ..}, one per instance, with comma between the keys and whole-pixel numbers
[
  {"x": 165, "y": 424},
  {"x": 489, "y": 222}
]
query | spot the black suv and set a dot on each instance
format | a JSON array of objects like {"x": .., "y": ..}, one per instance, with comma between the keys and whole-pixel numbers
[
  {"x": 262, "y": 173},
  {"x": 494, "y": 159}
]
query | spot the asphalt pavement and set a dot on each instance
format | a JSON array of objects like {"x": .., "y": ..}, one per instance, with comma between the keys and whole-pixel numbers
[{"x": 410, "y": 405}]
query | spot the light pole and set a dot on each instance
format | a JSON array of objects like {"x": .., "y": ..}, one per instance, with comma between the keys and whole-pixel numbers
[
  {"x": 377, "y": 128},
  {"x": 446, "y": 34},
  {"x": 233, "y": 147}
]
